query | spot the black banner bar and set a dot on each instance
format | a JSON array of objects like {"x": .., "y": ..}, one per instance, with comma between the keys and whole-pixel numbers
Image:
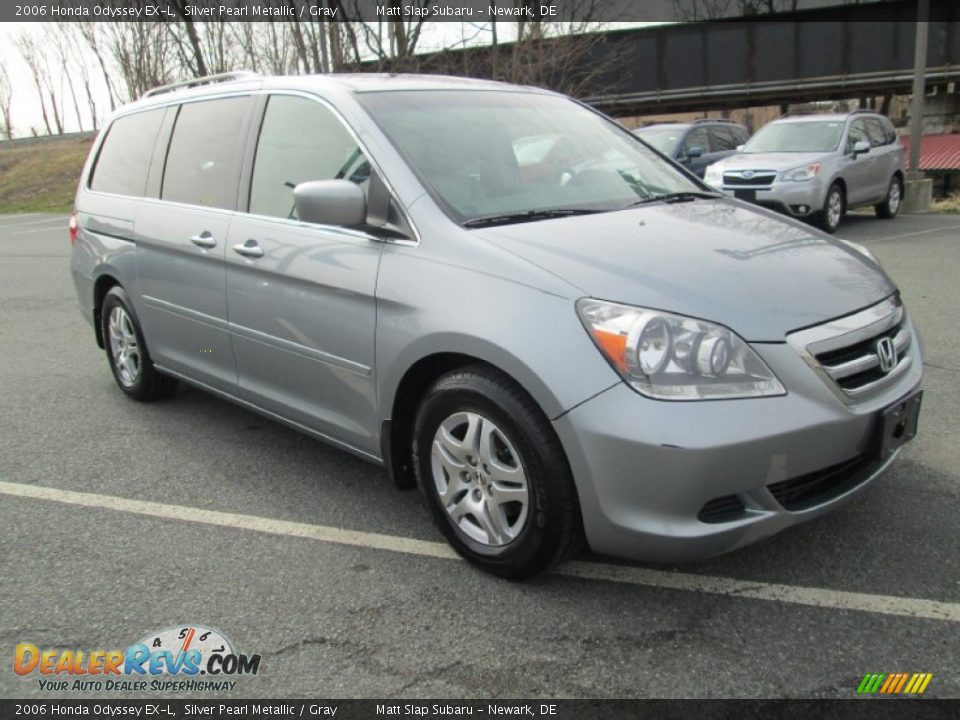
[
  {"x": 473, "y": 11},
  {"x": 873, "y": 709}
]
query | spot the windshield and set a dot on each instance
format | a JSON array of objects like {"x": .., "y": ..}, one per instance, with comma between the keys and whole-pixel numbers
[
  {"x": 486, "y": 153},
  {"x": 806, "y": 136},
  {"x": 663, "y": 139}
]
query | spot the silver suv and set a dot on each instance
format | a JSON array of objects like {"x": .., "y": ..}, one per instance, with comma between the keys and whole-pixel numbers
[
  {"x": 577, "y": 343},
  {"x": 817, "y": 167}
]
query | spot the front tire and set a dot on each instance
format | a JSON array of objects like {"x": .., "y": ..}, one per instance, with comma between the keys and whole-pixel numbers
[
  {"x": 889, "y": 208},
  {"x": 127, "y": 351},
  {"x": 494, "y": 475},
  {"x": 834, "y": 207}
]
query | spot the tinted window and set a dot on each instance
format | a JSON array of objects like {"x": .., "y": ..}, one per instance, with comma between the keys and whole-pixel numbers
[
  {"x": 203, "y": 159},
  {"x": 741, "y": 134},
  {"x": 722, "y": 139},
  {"x": 124, "y": 159},
  {"x": 287, "y": 156},
  {"x": 875, "y": 132},
  {"x": 697, "y": 138}
]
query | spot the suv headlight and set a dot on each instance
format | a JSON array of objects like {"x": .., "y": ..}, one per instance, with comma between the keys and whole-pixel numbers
[
  {"x": 807, "y": 172},
  {"x": 672, "y": 357},
  {"x": 713, "y": 176}
]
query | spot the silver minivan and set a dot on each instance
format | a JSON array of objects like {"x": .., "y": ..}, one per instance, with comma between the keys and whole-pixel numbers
[{"x": 501, "y": 296}]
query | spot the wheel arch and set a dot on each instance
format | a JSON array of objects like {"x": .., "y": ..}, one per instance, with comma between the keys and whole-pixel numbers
[
  {"x": 104, "y": 282},
  {"x": 401, "y": 399}
]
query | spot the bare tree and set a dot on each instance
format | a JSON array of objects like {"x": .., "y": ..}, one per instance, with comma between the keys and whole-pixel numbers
[
  {"x": 6, "y": 101},
  {"x": 35, "y": 54},
  {"x": 143, "y": 52},
  {"x": 91, "y": 33}
]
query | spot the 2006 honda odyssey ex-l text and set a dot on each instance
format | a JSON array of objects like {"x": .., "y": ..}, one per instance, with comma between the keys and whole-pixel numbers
[{"x": 583, "y": 344}]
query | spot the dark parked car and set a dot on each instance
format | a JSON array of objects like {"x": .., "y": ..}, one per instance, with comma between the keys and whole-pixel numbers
[{"x": 695, "y": 145}]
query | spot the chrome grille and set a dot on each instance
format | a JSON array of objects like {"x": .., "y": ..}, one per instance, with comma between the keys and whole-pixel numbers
[
  {"x": 748, "y": 178},
  {"x": 861, "y": 352}
]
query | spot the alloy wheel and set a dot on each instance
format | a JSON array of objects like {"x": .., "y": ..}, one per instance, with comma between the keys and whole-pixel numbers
[
  {"x": 124, "y": 347},
  {"x": 480, "y": 479}
]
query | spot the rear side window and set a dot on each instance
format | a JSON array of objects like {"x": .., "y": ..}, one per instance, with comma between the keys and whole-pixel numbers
[
  {"x": 124, "y": 160},
  {"x": 204, "y": 156},
  {"x": 287, "y": 156}
]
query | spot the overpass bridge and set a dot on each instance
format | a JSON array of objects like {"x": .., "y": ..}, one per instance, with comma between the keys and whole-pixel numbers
[{"x": 828, "y": 53}]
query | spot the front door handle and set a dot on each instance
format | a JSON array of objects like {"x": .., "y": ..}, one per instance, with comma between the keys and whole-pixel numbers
[
  {"x": 204, "y": 240},
  {"x": 249, "y": 249}
]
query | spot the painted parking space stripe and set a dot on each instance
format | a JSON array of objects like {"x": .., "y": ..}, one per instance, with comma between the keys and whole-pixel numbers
[
  {"x": 941, "y": 228},
  {"x": 623, "y": 574},
  {"x": 15, "y": 224}
]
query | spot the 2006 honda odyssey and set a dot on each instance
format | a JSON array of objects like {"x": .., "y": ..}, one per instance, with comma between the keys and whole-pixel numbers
[{"x": 583, "y": 342}]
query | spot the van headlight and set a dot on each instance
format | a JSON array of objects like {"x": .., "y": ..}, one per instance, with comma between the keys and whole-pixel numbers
[
  {"x": 800, "y": 174},
  {"x": 713, "y": 176},
  {"x": 672, "y": 357}
]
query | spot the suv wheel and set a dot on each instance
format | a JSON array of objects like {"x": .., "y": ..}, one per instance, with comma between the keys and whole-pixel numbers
[
  {"x": 891, "y": 205},
  {"x": 127, "y": 352},
  {"x": 833, "y": 208},
  {"x": 494, "y": 475}
]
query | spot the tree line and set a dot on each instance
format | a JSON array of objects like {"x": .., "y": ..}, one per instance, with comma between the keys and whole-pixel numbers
[{"x": 81, "y": 71}]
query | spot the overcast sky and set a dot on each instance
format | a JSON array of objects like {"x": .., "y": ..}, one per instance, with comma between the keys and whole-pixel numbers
[{"x": 26, "y": 110}]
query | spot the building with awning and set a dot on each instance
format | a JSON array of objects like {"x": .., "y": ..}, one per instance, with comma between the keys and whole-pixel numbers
[{"x": 939, "y": 159}]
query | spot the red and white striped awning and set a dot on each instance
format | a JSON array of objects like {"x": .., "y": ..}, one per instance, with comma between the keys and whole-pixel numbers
[{"x": 937, "y": 152}]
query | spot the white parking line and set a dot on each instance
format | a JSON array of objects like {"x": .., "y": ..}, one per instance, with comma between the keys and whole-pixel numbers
[
  {"x": 15, "y": 231},
  {"x": 58, "y": 220},
  {"x": 942, "y": 228},
  {"x": 729, "y": 587}
]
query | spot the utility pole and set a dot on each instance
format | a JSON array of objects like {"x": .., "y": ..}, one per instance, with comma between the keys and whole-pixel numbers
[
  {"x": 919, "y": 83},
  {"x": 918, "y": 190}
]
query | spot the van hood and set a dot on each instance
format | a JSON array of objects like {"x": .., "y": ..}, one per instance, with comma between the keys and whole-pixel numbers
[
  {"x": 778, "y": 161},
  {"x": 759, "y": 273}
]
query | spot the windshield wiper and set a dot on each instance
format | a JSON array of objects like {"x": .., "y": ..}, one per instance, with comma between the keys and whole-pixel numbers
[
  {"x": 526, "y": 216},
  {"x": 675, "y": 197}
]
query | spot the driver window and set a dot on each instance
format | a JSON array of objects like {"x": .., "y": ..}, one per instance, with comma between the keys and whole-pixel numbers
[
  {"x": 300, "y": 140},
  {"x": 697, "y": 138},
  {"x": 858, "y": 132}
]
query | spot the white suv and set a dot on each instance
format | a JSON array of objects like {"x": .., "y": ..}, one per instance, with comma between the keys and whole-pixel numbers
[{"x": 817, "y": 167}]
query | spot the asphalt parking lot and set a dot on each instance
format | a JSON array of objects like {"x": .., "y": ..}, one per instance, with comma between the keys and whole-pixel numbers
[{"x": 121, "y": 518}]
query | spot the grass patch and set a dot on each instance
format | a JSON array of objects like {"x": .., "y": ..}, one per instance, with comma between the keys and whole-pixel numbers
[
  {"x": 41, "y": 177},
  {"x": 946, "y": 205}
]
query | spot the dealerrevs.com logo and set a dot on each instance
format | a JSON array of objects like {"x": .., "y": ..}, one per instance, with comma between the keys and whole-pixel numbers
[{"x": 186, "y": 658}]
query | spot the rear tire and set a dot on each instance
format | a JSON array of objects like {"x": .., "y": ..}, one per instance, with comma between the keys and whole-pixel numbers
[
  {"x": 834, "y": 207},
  {"x": 494, "y": 475},
  {"x": 889, "y": 208},
  {"x": 127, "y": 351}
]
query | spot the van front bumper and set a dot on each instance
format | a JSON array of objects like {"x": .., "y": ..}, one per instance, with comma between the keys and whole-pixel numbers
[{"x": 673, "y": 481}]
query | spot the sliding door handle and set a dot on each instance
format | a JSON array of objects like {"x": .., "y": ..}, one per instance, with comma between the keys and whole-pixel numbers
[
  {"x": 204, "y": 240},
  {"x": 250, "y": 249}
]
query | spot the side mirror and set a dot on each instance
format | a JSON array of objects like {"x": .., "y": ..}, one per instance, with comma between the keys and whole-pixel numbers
[
  {"x": 694, "y": 152},
  {"x": 860, "y": 147},
  {"x": 739, "y": 148},
  {"x": 330, "y": 202}
]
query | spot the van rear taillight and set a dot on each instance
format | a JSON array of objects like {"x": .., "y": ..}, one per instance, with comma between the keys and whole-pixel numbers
[{"x": 72, "y": 225}]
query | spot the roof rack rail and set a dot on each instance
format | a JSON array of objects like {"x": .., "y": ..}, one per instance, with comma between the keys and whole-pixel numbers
[
  {"x": 715, "y": 120},
  {"x": 204, "y": 80}
]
